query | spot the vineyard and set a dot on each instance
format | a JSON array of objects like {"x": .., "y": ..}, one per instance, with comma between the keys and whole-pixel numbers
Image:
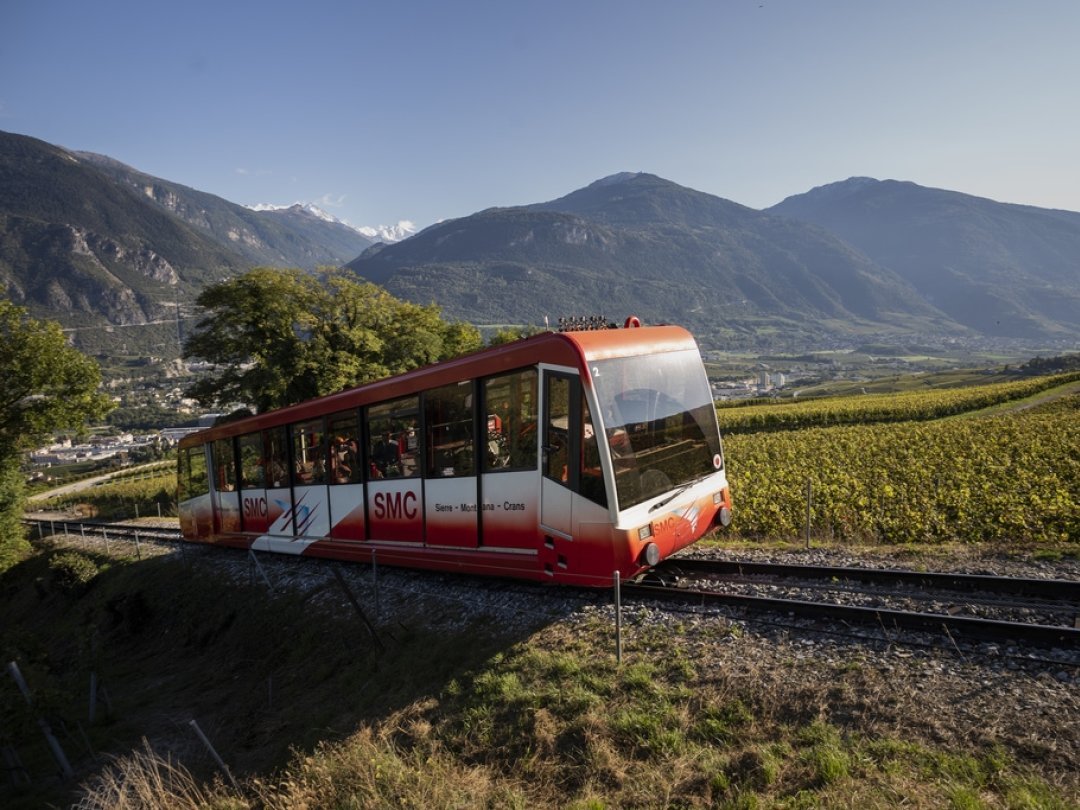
[
  {"x": 145, "y": 494},
  {"x": 1013, "y": 477},
  {"x": 1008, "y": 478},
  {"x": 743, "y": 417}
]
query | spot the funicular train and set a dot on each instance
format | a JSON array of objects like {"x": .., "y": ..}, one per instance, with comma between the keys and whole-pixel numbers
[{"x": 562, "y": 457}]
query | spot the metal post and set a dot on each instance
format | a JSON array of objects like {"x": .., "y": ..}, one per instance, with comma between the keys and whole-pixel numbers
[
  {"x": 618, "y": 618},
  {"x": 93, "y": 697},
  {"x": 136, "y": 510},
  {"x": 159, "y": 508},
  {"x": 809, "y": 498},
  {"x": 82, "y": 531},
  {"x": 43, "y": 724},
  {"x": 105, "y": 534},
  {"x": 138, "y": 548},
  {"x": 213, "y": 753},
  {"x": 40, "y": 534},
  {"x": 65, "y": 530},
  {"x": 259, "y": 568},
  {"x": 375, "y": 576}
]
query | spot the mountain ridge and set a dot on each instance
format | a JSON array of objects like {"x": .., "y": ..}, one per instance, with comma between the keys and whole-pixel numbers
[
  {"x": 667, "y": 241},
  {"x": 96, "y": 244},
  {"x": 999, "y": 268}
]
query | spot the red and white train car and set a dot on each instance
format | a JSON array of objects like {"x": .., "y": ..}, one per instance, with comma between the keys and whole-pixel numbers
[{"x": 563, "y": 457}]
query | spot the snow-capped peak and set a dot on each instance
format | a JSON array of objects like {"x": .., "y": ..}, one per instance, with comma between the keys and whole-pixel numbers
[
  {"x": 379, "y": 233},
  {"x": 389, "y": 233},
  {"x": 299, "y": 207}
]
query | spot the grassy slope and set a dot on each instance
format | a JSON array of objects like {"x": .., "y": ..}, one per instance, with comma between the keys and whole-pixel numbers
[{"x": 308, "y": 712}]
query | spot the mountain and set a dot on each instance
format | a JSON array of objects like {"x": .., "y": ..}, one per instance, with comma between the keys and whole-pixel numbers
[
  {"x": 389, "y": 233},
  {"x": 80, "y": 248},
  {"x": 296, "y": 236},
  {"x": 113, "y": 253},
  {"x": 999, "y": 268},
  {"x": 639, "y": 244}
]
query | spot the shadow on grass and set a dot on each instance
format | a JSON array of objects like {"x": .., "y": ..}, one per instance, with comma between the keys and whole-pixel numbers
[{"x": 264, "y": 674}]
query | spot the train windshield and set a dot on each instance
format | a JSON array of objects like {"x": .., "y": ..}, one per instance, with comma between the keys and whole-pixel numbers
[{"x": 659, "y": 420}]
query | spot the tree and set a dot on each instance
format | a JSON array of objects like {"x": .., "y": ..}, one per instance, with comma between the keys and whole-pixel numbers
[
  {"x": 277, "y": 337},
  {"x": 45, "y": 386},
  {"x": 509, "y": 334}
]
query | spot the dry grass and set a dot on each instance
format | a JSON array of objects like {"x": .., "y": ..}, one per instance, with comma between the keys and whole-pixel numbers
[
  {"x": 700, "y": 713},
  {"x": 144, "y": 780}
]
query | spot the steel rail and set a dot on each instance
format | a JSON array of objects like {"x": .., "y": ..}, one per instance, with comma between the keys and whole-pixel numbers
[
  {"x": 117, "y": 530},
  {"x": 1059, "y": 589},
  {"x": 958, "y": 627}
]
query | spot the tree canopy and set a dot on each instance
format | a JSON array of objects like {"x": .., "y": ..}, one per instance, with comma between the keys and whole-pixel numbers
[
  {"x": 45, "y": 384},
  {"x": 277, "y": 337}
]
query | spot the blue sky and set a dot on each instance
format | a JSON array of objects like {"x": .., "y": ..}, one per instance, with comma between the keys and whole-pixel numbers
[{"x": 379, "y": 112}]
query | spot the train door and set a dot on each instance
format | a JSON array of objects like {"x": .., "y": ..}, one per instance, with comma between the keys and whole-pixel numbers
[
  {"x": 450, "y": 485},
  {"x": 395, "y": 494},
  {"x": 279, "y": 512},
  {"x": 561, "y": 447},
  {"x": 346, "y": 478},
  {"x": 226, "y": 499},
  {"x": 253, "y": 511},
  {"x": 193, "y": 483},
  {"x": 310, "y": 502},
  {"x": 509, "y": 484}
]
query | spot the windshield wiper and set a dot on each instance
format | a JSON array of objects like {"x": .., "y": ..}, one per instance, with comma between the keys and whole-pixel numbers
[
  {"x": 672, "y": 496},
  {"x": 678, "y": 492}
]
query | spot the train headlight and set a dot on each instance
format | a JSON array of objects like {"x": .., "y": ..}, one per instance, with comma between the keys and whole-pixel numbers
[
  {"x": 723, "y": 517},
  {"x": 645, "y": 532},
  {"x": 650, "y": 555}
]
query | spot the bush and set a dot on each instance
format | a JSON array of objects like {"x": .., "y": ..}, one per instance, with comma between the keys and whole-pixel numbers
[{"x": 72, "y": 572}]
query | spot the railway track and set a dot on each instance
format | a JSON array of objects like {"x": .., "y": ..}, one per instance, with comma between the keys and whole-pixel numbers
[{"x": 1033, "y": 612}]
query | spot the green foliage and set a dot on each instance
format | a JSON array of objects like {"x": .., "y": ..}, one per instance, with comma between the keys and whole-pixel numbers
[
  {"x": 123, "y": 498},
  {"x": 13, "y": 543},
  {"x": 45, "y": 385},
  {"x": 283, "y": 336},
  {"x": 1010, "y": 478},
  {"x": 510, "y": 334},
  {"x": 753, "y": 416},
  {"x": 72, "y": 572}
]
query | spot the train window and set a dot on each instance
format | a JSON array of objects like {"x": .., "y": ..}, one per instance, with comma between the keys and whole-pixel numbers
[
  {"x": 277, "y": 458},
  {"x": 592, "y": 476},
  {"x": 510, "y": 402},
  {"x": 449, "y": 419},
  {"x": 193, "y": 480},
  {"x": 252, "y": 469},
  {"x": 224, "y": 465},
  {"x": 309, "y": 452},
  {"x": 571, "y": 453},
  {"x": 394, "y": 449},
  {"x": 344, "y": 433},
  {"x": 557, "y": 451}
]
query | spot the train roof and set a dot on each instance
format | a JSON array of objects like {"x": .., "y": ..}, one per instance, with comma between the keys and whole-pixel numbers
[{"x": 558, "y": 348}]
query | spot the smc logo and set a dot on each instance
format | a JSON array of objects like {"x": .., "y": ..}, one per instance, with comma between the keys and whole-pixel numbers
[
  {"x": 395, "y": 505},
  {"x": 254, "y": 507}
]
